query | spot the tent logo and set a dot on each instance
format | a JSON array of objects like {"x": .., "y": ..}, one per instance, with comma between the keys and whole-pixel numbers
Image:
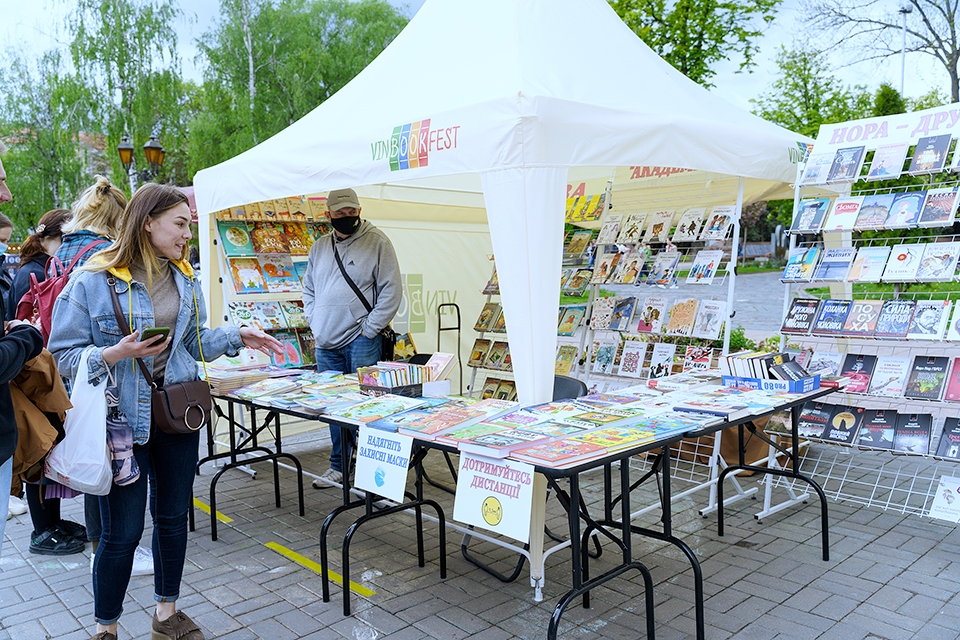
[{"x": 410, "y": 145}]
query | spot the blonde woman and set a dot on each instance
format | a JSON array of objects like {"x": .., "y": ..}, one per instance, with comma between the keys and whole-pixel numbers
[{"x": 148, "y": 270}]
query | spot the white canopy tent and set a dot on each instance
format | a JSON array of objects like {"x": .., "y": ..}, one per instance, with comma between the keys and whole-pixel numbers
[{"x": 506, "y": 91}]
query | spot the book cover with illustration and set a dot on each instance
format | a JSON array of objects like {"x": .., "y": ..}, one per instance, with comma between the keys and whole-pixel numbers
[
  {"x": 846, "y": 165},
  {"x": 826, "y": 363},
  {"x": 478, "y": 353},
  {"x": 801, "y": 264},
  {"x": 297, "y": 237},
  {"x": 869, "y": 264},
  {"x": 929, "y": 320},
  {"x": 663, "y": 272},
  {"x": 835, "y": 264},
  {"x": 488, "y": 315},
  {"x": 506, "y": 390},
  {"x": 631, "y": 360},
  {"x": 939, "y": 209},
  {"x": 628, "y": 270},
  {"x": 718, "y": 223},
  {"x": 895, "y": 317},
  {"x": 610, "y": 229},
  {"x": 814, "y": 418},
  {"x": 492, "y": 287},
  {"x": 631, "y": 231},
  {"x": 602, "y": 313},
  {"x": 292, "y": 356},
  {"x": 949, "y": 445},
  {"x": 659, "y": 227},
  {"x": 843, "y": 425},
  {"x": 689, "y": 226},
  {"x": 247, "y": 275},
  {"x": 379, "y": 407},
  {"x": 576, "y": 244},
  {"x": 489, "y": 388},
  {"x": 938, "y": 262},
  {"x": 244, "y": 314},
  {"x": 710, "y": 317},
  {"x": 816, "y": 168},
  {"x": 570, "y": 319},
  {"x": 859, "y": 367},
  {"x": 887, "y": 163},
  {"x": 578, "y": 283},
  {"x": 268, "y": 237},
  {"x": 697, "y": 358},
  {"x": 800, "y": 316},
  {"x": 651, "y": 314},
  {"x": 500, "y": 324},
  {"x": 952, "y": 388},
  {"x": 308, "y": 346},
  {"x": 235, "y": 238},
  {"x": 279, "y": 274},
  {"x": 300, "y": 270},
  {"x": 843, "y": 216},
  {"x": 661, "y": 360},
  {"x": 496, "y": 355},
  {"x": 566, "y": 358},
  {"x": 928, "y": 377},
  {"x": 903, "y": 263},
  {"x": 558, "y": 453},
  {"x": 271, "y": 316},
  {"x": 874, "y": 212},
  {"x": 683, "y": 314},
  {"x": 889, "y": 377},
  {"x": 604, "y": 356},
  {"x": 953, "y": 326},
  {"x": 912, "y": 433},
  {"x": 623, "y": 313},
  {"x": 299, "y": 208},
  {"x": 930, "y": 155},
  {"x": 876, "y": 431},
  {"x": 905, "y": 210},
  {"x": 831, "y": 317},
  {"x": 604, "y": 266},
  {"x": 863, "y": 317},
  {"x": 704, "y": 267},
  {"x": 811, "y": 212},
  {"x": 293, "y": 313}
]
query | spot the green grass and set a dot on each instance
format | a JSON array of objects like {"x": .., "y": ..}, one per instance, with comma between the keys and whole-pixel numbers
[{"x": 933, "y": 290}]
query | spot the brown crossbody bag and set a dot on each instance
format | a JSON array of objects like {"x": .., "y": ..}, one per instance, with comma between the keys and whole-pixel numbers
[{"x": 177, "y": 408}]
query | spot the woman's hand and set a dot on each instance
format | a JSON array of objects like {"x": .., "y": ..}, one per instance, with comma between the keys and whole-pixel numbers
[
  {"x": 257, "y": 339},
  {"x": 132, "y": 347}
]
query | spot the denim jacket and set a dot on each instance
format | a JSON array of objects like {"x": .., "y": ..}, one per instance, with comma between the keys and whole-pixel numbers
[{"x": 83, "y": 315}]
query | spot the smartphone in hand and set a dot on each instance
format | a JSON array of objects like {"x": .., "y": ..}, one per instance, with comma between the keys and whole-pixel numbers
[{"x": 148, "y": 335}]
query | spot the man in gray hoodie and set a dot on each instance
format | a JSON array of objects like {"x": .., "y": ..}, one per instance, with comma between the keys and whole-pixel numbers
[{"x": 347, "y": 335}]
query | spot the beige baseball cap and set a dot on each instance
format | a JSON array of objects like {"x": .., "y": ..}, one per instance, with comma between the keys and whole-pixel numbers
[{"x": 340, "y": 198}]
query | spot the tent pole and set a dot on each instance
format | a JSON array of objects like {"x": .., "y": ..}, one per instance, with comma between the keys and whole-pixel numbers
[{"x": 732, "y": 281}]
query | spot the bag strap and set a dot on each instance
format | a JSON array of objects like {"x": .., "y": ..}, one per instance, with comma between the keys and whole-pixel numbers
[
  {"x": 353, "y": 285},
  {"x": 52, "y": 263},
  {"x": 125, "y": 330},
  {"x": 87, "y": 247}
]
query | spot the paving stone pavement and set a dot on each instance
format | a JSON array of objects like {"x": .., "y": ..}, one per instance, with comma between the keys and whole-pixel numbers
[{"x": 889, "y": 577}]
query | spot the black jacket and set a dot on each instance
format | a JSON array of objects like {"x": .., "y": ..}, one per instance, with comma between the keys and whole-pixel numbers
[{"x": 16, "y": 348}]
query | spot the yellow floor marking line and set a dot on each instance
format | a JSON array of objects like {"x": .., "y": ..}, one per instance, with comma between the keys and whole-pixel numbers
[
  {"x": 359, "y": 589},
  {"x": 203, "y": 506}
]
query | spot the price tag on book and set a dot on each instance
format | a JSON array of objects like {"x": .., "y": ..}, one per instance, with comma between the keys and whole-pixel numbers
[
  {"x": 495, "y": 494},
  {"x": 382, "y": 462}
]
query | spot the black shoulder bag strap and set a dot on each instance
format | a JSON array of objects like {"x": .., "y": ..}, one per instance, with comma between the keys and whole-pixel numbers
[{"x": 353, "y": 285}]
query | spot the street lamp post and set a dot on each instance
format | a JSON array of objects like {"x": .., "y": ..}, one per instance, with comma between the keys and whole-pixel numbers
[
  {"x": 904, "y": 10},
  {"x": 154, "y": 153}
]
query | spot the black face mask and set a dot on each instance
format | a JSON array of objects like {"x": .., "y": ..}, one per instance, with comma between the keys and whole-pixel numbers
[{"x": 346, "y": 225}]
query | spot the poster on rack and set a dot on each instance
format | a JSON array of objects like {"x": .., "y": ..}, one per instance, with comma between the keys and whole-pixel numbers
[
  {"x": 946, "y": 501},
  {"x": 495, "y": 494},
  {"x": 382, "y": 462}
]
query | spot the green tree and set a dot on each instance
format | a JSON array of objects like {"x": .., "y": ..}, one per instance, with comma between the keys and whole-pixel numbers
[
  {"x": 888, "y": 101},
  {"x": 126, "y": 53},
  {"x": 804, "y": 95},
  {"x": 933, "y": 98},
  {"x": 42, "y": 112},
  {"x": 694, "y": 35},
  {"x": 269, "y": 64}
]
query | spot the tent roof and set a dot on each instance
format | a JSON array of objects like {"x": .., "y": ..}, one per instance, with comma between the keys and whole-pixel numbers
[{"x": 492, "y": 84}]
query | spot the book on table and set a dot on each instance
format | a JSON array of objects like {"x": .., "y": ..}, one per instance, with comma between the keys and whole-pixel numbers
[
  {"x": 877, "y": 429},
  {"x": 616, "y": 438},
  {"x": 912, "y": 433},
  {"x": 862, "y": 319},
  {"x": 392, "y": 423},
  {"x": 928, "y": 377},
  {"x": 559, "y": 453},
  {"x": 430, "y": 426},
  {"x": 499, "y": 444}
]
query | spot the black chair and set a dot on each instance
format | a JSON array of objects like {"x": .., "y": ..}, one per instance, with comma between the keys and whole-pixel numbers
[{"x": 567, "y": 388}]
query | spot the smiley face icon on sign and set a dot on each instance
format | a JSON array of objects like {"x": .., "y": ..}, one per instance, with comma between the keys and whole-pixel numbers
[{"x": 492, "y": 511}]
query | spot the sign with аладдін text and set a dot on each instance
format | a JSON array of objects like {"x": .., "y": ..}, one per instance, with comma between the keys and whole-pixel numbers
[{"x": 495, "y": 494}]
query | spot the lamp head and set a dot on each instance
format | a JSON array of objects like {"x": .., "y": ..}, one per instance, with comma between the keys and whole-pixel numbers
[
  {"x": 125, "y": 149},
  {"x": 154, "y": 152}
]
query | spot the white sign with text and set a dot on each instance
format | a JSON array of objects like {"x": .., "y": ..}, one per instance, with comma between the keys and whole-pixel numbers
[
  {"x": 382, "y": 462},
  {"x": 946, "y": 501},
  {"x": 496, "y": 495}
]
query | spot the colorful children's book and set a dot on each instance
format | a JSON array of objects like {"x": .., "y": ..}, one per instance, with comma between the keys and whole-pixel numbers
[
  {"x": 268, "y": 237},
  {"x": 244, "y": 314},
  {"x": 938, "y": 262},
  {"x": 493, "y": 285},
  {"x": 718, "y": 223},
  {"x": 903, "y": 263},
  {"x": 939, "y": 209},
  {"x": 498, "y": 350},
  {"x": 247, "y": 275},
  {"x": 704, "y": 267},
  {"x": 844, "y": 214},
  {"x": 663, "y": 272},
  {"x": 832, "y": 317},
  {"x": 479, "y": 352},
  {"x": 578, "y": 283},
  {"x": 271, "y": 317},
  {"x": 929, "y": 320},
  {"x": 800, "y": 316},
  {"x": 928, "y": 377},
  {"x": 895, "y": 317},
  {"x": 293, "y": 314},
  {"x": 308, "y": 346},
  {"x": 811, "y": 212},
  {"x": 887, "y": 163},
  {"x": 905, "y": 210},
  {"x": 629, "y": 267},
  {"x": 683, "y": 314},
  {"x": 558, "y": 453},
  {"x": 661, "y": 360},
  {"x": 659, "y": 227},
  {"x": 835, "y": 264},
  {"x": 292, "y": 356},
  {"x": 602, "y": 313},
  {"x": 651, "y": 314},
  {"x": 631, "y": 360},
  {"x": 297, "y": 237},
  {"x": 869, "y": 264},
  {"x": 610, "y": 229},
  {"x": 235, "y": 238},
  {"x": 604, "y": 267},
  {"x": 632, "y": 228},
  {"x": 576, "y": 245},
  {"x": 570, "y": 319},
  {"x": 912, "y": 433},
  {"x": 710, "y": 318},
  {"x": 566, "y": 358},
  {"x": 689, "y": 226},
  {"x": 889, "y": 377},
  {"x": 697, "y": 358},
  {"x": 862, "y": 319},
  {"x": 623, "y": 313},
  {"x": 930, "y": 155},
  {"x": 605, "y": 355},
  {"x": 379, "y": 407},
  {"x": 874, "y": 212},
  {"x": 278, "y": 274},
  {"x": 846, "y": 165},
  {"x": 488, "y": 316},
  {"x": 859, "y": 368}
]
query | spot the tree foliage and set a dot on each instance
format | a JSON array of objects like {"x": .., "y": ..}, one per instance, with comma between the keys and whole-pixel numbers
[
  {"x": 874, "y": 29},
  {"x": 887, "y": 101},
  {"x": 694, "y": 35},
  {"x": 804, "y": 95}
]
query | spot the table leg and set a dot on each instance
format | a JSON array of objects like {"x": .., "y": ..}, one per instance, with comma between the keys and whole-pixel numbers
[{"x": 537, "y": 523}]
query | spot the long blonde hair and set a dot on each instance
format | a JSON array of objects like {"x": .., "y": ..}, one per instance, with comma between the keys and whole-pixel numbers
[
  {"x": 133, "y": 246},
  {"x": 98, "y": 209}
]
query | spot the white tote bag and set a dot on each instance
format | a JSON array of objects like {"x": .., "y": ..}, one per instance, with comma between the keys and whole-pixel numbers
[{"x": 82, "y": 460}]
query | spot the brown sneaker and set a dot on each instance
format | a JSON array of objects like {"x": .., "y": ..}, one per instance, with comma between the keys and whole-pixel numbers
[
  {"x": 104, "y": 635},
  {"x": 176, "y": 627}
]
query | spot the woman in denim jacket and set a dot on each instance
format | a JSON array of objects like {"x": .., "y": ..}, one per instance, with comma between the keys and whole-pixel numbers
[{"x": 156, "y": 287}]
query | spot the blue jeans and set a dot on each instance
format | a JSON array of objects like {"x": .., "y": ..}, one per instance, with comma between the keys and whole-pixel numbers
[
  {"x": 170, "y": 463},
  {"x": 362, "y": 352},
  {"x": 6, "y": 478}
]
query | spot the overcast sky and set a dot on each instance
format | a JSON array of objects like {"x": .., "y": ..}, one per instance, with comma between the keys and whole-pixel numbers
[{"x": 34, "y": 24}]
